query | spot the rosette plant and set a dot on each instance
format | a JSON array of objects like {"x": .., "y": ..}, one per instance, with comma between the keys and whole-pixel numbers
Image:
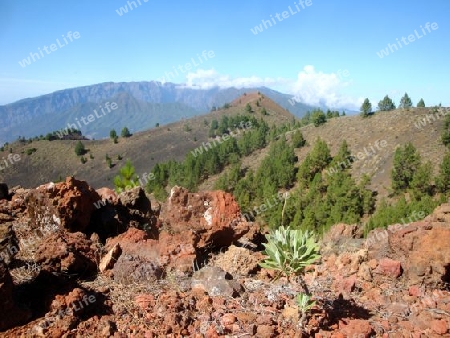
[{"x": 290, "y": 251}]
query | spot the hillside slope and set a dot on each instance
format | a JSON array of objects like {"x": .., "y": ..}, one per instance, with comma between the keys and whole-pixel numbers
[
  {"x": 57, "y": 159},
  {"x": 395, "y": 127}
]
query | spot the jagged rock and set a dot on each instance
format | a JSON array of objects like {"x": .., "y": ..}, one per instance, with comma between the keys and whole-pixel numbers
[
  {"x": 216, "y": 282},
  {"x": 213, "y": 219},
  {"x": 110, "y": 258},
  {"x": 389, "y": 267},
  {"x": 238, "y": 261},
  {"x": 135, "y": 269},
  {"x": 135, "y": 209},
  {"x": 4, "y": 192},
  {"x": 69, "y": 253},
  {"x": 9, "y": 244},
  {"x": 10, "y": 314},
  {"x": 71, "y": 203},
  {"x": 107, "y": 194}
]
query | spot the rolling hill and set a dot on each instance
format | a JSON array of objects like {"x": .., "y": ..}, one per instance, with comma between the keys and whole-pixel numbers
[
  {"x": 140, "y": 106},
  {"x": 55, "y": 159}
]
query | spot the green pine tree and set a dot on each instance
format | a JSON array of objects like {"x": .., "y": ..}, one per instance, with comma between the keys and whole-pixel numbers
[
  {"x": 421, "y": 182},
  {"x": 443, "y": 179},
  {"x": 126, "y": 179},
  {"x": 297, "y": 139},
  {"x": 406, "y": 163},
  {"x": 386, "y": 104},
  {"x": 79, "y": 148},
  {"x": 125, "y": 132},
  {"x": 366, "y": 108},
  {"x": 405, "y": 102}
]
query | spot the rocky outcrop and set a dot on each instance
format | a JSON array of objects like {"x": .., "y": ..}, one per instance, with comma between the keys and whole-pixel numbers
[
  {"x": 69, "y": 203},
  {"x": 211, "y": 219},
  {"x": 4, "y": 192},
  {"x": 194, "y": 271},
  {"x": 10, "y": 313},
  {"x": 192, "y": 226},
  {"x": 69, "y": 253}
]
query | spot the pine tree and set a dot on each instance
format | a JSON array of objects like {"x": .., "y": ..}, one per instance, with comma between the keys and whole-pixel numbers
[
  {"x": 297, "y": 139},
  {"x": 112, "y": 134},
  {"x": 405, "y": 102},
  {"x": 421, "y": 104},
  {"x": 318, "y": 117},
  {"x": 126, "y": 179},
  {"x": 80, "y": 149},
  {"x": 125, "y": 132},
  {"x": 366, "y": 108},
  {"x": 386, "y": 104},
  {"x": 445, "y": 137},
  {"x": 406, "y": 163},
  {"x": 443, "y": 179},
  {"x": 421, "y": 182}
]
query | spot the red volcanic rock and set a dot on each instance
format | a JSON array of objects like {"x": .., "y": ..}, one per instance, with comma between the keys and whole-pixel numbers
[
  {"x": 356, "y": 328},
  {"x": 210, "y": 218},
  {"x": 423, "y": 249},
  {"x": 10, "y": 314},
  {"x": 109, "y": 195},
  {"x": 389, "y": 267},
  {"x": 67, "y": 252},
  {"x": 135, "y": 210},
  {"x": 439, "y": 326},
  {"x": 190, "y": 225},
  {"x": 70, "y": 204},
  {"x": 108, "y": 261}
]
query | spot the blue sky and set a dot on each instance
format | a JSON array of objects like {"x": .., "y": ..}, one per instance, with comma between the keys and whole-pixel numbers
[{"x": 326, "y": 51}]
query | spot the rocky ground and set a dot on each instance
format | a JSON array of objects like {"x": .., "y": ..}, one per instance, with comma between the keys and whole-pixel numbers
[{"x": 73, "y": 267}]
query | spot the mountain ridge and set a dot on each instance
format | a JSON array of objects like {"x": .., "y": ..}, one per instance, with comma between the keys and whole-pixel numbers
[{"x": 24, "y": 117}]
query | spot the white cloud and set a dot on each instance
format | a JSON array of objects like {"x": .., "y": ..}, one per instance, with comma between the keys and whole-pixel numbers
[
  {"x": 204, "y": 79},
  {"x": 311, "y": 87}
]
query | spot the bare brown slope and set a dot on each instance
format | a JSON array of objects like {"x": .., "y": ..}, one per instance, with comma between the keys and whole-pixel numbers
[
  {"x": 395, "y": 127},
  {"x": 57, "y": 158}
]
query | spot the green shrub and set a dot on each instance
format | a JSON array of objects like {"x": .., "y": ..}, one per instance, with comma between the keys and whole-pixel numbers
[
  {"x": 125, "y": 132},
  {"x": 30, "y": 151},
  {"x": 80, "y": 149}
]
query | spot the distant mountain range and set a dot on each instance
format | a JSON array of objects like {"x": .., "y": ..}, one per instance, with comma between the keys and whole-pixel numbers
[{"x": 140, "y": 105}]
